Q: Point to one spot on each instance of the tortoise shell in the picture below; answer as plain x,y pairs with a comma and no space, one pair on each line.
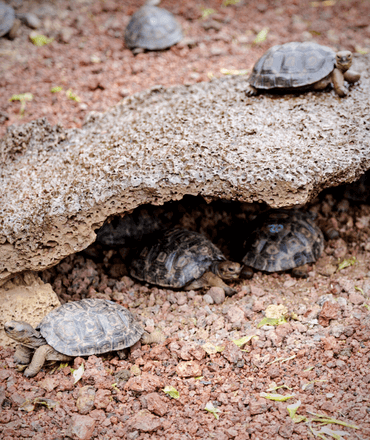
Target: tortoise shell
152,28
176,259
121,231
7,16
292,65
90,326
283,240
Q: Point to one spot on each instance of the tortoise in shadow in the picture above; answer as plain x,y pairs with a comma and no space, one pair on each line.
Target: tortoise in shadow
182,259
282,240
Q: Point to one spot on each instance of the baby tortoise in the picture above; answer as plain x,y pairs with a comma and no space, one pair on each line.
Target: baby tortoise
152,28
301,66
283,240
183,259
131,228
77,328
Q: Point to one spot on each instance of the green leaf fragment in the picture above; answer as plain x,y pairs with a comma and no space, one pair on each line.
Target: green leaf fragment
261,36
274,387
292,409
23,98
327,420
206,12
272,321
63,365
72,96
276,397
230,2
210,408
212,349
346,263
242,341
172,392
56,89
40,40
282,360
309,368
77,374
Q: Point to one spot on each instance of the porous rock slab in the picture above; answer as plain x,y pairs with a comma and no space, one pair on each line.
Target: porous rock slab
25,298
205,139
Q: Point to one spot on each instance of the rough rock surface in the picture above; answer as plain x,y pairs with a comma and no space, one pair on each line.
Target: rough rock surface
208,139
25,298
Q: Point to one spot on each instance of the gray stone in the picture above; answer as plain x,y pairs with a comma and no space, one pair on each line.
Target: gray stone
25,298
207,139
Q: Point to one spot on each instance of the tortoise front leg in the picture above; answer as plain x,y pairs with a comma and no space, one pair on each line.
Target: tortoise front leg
23,355
251,91
338,82
300,271
41,355
209,279
352,76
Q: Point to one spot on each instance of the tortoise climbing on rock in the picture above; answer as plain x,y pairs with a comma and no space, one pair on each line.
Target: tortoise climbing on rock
283,240
183,259
78,328
152,28
299,66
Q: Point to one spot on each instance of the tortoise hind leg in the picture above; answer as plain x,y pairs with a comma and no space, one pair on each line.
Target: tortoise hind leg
322,84
300,271
209,279
251,91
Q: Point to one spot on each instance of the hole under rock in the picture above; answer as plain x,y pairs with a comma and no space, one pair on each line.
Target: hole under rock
102,269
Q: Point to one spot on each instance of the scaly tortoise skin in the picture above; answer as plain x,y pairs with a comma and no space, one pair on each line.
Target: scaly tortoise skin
300,66
283,240
77,328
7,17
183,259
152,28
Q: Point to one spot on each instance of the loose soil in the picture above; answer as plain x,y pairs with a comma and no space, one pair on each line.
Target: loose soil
320,355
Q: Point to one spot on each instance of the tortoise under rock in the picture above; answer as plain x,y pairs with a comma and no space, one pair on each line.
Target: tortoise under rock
183,259
283,240
300,66
131,228
152,28
77,328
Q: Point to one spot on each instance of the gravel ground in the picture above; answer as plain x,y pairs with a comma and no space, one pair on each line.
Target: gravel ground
320,356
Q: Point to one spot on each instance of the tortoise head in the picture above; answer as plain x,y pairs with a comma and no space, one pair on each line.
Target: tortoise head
228,270
24,333
343,60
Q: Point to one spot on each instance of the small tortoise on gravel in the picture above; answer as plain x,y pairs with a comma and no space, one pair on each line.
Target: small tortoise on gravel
283,240
8,23
152,28
183,259
302,66
78,328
